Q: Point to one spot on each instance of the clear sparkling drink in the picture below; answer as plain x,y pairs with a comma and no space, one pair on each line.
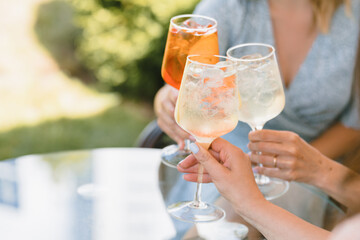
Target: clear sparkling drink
208,102
261,91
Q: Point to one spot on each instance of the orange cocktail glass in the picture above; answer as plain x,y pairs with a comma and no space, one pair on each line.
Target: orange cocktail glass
188,34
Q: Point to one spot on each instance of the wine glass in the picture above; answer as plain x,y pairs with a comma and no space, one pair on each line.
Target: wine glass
207,108
188,34
262,98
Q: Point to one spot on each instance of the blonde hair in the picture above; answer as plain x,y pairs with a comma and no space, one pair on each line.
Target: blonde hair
324,11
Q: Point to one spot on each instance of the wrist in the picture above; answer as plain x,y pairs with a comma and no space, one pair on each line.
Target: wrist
250,211
319,175
249,204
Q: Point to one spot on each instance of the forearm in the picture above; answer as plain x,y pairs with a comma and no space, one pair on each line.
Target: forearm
339,182
337,141
276,223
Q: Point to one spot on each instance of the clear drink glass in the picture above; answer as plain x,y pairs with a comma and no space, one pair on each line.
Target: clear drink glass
188,34
207,108
262,97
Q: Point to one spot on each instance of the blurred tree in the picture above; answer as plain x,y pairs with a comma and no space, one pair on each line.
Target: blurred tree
122,41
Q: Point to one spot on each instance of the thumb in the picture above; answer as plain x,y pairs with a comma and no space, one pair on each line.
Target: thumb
212,166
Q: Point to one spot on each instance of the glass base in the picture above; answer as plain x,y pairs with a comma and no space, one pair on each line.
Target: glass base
271,188
172,155
201,213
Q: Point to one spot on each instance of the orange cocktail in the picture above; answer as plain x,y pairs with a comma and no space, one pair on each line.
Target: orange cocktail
188,34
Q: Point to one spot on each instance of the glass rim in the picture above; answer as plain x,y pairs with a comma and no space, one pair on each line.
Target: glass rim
250,44
193,15
229,60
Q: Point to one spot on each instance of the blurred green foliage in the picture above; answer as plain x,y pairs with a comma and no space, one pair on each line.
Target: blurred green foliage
121,42
116,127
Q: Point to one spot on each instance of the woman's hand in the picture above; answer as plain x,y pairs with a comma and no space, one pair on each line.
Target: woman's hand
228,168
285,155
164,106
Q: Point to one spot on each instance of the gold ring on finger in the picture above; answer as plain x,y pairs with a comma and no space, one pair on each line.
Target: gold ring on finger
275,161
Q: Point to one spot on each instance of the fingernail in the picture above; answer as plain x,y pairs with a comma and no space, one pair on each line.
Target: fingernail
255,170
179,164
194,148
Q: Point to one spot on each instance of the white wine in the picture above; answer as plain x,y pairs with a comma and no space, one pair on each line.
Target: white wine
256,114
261,92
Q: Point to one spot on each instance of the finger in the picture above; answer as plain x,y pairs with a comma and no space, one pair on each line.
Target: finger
226,151
193,177
220,144
169,130
168,122
269,148
172,130
268,135
213,167
272,172
192,169
188,162
189,165
173,95
168,108
269,160
216,155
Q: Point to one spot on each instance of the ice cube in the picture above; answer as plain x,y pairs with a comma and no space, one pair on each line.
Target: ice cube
227,67
266,98
265,65
195,70
241,67
213,77
253,60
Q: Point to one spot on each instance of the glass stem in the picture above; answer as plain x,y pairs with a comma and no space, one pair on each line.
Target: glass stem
197,198
187,144
260,179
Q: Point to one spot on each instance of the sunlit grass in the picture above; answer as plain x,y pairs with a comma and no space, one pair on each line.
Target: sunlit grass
118,126
53,96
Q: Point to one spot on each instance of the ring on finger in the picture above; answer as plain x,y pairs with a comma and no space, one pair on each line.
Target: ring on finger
275,161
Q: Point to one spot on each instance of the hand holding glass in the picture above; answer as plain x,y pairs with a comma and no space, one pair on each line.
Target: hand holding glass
262,98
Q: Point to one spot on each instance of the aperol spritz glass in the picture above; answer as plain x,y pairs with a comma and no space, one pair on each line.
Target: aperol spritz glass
188,34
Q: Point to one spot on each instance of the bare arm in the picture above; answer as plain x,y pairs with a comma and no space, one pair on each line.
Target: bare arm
337,141
276,223
234,179
340,182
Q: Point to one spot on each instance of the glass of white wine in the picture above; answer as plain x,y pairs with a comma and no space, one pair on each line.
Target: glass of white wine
262,98
207,108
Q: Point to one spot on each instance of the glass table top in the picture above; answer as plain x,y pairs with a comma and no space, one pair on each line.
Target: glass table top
110,193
